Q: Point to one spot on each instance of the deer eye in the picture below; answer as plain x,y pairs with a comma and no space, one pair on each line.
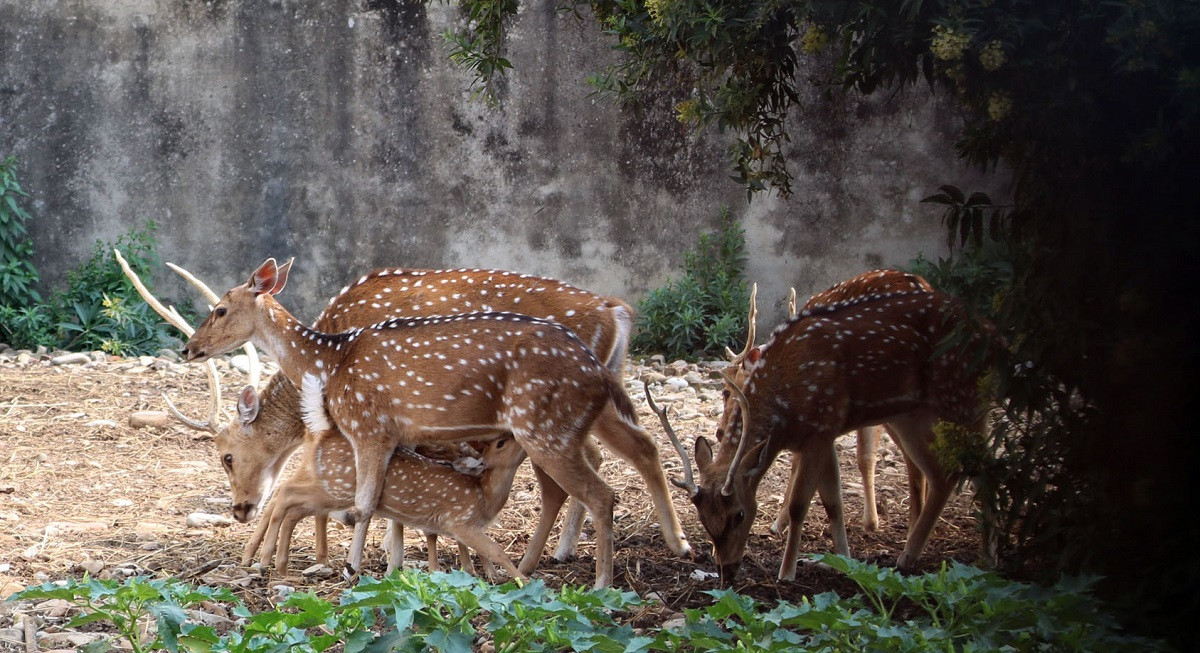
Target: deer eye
227,460
221,310
739,517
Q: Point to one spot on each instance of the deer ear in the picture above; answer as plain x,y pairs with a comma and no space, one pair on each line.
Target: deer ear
753,355
247,406
759,466
264,278
704,453
281,276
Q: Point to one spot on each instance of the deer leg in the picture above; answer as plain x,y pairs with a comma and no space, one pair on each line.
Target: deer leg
915,435
568,539
634,445
916,481
816,463
866,452
394,536
371,458
287,527
780,525
431,552
553,497
260,531
487,549
321,538
564,461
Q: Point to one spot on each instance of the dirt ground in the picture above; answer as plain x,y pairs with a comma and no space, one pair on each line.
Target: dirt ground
80,490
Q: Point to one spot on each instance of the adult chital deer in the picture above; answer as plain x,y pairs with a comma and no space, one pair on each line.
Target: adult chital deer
262,441
828,371
449,379
418,491
256,447
866,452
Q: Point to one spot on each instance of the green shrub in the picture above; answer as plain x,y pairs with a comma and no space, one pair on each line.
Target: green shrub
958,608
101,310
17,274
704,311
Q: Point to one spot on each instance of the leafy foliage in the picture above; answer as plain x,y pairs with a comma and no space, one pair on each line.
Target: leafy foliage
957,608
18,276
1094,107
705,310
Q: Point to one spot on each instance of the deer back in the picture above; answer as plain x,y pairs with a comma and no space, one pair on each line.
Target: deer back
874,282
602,323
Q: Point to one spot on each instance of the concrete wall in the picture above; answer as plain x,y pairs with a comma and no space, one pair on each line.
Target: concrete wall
336,131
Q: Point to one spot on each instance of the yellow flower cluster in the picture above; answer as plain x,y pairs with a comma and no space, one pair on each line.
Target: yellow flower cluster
687,111
656,9
999,106
814,40
948,44
992,57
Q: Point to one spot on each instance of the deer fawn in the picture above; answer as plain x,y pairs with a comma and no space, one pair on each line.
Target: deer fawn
829,370
256,449
418,491
451,378
866,451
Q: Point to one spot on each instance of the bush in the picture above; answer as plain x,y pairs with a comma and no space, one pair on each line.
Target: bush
704,311
17,274
101,310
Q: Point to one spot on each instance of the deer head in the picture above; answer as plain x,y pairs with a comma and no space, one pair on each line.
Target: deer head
231,321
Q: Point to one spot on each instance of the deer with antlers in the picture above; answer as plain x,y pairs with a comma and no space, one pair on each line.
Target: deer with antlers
267,431
256,446
829,370
449,379
867,440
429,494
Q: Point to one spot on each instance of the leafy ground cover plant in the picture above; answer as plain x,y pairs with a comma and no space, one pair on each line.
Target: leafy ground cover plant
958,608
703,311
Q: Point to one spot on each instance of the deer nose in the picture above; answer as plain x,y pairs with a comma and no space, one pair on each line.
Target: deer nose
243,511
190,354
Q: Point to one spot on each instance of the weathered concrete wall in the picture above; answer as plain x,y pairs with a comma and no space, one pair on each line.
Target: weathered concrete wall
336,131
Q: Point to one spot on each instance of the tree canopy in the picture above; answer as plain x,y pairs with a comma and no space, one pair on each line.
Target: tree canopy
1093,105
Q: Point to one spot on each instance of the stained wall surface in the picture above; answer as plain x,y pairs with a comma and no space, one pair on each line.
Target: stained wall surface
337,131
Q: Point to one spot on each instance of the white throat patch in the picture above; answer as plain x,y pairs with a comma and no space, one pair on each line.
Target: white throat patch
312,404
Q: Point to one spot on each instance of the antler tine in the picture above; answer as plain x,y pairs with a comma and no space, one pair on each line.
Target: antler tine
792,303
213,299
744,405
176,320
752,319
688,483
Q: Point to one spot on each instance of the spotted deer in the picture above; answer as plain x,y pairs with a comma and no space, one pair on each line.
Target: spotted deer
451,378
829,370
867,440
418,491
255,450
256,446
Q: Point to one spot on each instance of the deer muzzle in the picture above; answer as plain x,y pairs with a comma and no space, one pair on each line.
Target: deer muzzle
244,512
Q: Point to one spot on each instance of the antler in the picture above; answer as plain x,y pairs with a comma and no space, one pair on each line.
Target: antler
744,406
176,320
752,318
792,303
251,353
688,483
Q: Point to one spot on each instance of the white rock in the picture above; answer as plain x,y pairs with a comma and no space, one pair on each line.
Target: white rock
207,519
700,574
104,423
77,358
241,363
677,383
318,571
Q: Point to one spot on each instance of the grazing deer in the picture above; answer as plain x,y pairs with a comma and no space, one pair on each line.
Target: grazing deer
451,378
255,450
827,371
418,491
866,451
